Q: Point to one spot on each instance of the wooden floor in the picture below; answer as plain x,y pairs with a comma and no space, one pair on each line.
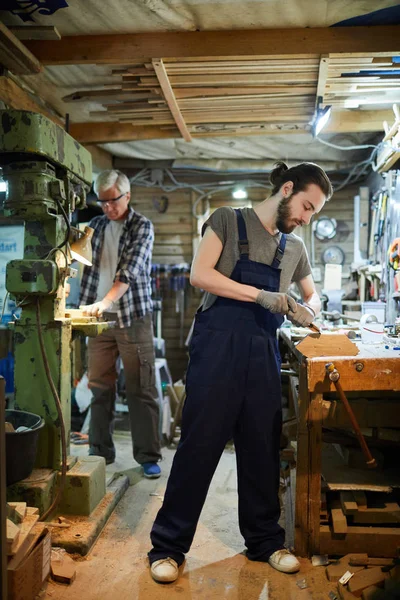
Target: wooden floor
117,567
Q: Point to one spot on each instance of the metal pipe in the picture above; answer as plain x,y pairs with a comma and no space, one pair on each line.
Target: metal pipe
334,376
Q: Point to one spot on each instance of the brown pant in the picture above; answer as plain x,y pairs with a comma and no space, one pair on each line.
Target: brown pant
135,346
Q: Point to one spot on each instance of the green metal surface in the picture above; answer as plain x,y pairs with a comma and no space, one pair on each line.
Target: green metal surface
85,486
36,277
48,175
32,133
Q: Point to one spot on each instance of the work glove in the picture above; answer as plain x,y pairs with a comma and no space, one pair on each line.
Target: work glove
96,309
276,302
302,316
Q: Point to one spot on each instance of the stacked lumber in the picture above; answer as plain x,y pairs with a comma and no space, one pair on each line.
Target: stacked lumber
356,521
350,80
217,94
21,520
362,576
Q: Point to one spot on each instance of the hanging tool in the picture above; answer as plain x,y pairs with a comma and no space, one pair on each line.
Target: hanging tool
334,376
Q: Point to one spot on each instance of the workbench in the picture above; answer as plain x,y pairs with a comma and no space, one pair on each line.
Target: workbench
371,381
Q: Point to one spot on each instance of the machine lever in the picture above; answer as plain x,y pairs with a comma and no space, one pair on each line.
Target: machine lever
334,376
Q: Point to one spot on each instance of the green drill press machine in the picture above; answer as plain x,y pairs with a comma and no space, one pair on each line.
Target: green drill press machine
48,175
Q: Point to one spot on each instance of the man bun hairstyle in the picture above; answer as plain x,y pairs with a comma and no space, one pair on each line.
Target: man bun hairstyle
302,175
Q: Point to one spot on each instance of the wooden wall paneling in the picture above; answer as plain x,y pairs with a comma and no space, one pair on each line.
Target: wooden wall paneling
174,232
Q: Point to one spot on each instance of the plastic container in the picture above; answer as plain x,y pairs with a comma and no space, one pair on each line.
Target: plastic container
21,447
371,331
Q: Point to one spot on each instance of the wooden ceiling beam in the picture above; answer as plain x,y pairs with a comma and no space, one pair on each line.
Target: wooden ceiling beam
140,47
345,121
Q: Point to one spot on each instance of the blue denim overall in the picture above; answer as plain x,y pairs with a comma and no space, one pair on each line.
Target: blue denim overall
233,392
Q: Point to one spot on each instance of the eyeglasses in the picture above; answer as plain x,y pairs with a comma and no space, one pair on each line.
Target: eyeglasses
110,201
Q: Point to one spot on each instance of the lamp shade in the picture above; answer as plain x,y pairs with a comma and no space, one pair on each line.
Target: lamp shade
81,249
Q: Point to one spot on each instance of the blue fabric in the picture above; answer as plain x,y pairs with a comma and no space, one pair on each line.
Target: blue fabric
233,391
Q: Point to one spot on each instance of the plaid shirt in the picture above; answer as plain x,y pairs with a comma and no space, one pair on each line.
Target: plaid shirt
134,266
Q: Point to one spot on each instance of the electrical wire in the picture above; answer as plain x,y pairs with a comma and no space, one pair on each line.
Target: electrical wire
68,224
57,400
360,147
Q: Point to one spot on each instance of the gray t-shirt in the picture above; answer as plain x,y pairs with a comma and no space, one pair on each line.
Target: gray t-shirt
262,247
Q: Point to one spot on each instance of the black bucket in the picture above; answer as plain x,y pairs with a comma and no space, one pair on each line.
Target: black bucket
21,447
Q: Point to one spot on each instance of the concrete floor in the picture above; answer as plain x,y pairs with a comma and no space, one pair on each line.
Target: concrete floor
117,566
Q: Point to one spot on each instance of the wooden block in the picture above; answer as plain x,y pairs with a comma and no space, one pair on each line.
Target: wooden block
373,593
26,546
32,510
382,541
25,529
327,345
13,533
363,560
365,579
361,499
344,593
339,568
62,567
19,507
349,505
389,514
339,522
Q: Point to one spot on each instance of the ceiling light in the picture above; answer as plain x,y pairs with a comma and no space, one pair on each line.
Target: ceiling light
239,194
322,116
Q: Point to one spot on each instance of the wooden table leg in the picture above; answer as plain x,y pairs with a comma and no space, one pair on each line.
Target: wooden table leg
308,477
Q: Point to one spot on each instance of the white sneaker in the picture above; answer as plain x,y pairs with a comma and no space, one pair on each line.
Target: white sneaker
165,570
283,560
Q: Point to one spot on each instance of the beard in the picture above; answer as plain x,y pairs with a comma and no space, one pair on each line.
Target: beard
283,216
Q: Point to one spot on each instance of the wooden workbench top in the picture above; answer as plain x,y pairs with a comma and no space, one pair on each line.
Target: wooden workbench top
373,368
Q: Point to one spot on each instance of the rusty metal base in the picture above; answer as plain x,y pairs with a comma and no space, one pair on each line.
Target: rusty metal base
81,532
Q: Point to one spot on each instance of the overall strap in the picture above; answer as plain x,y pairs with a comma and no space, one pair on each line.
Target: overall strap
279,252
243,241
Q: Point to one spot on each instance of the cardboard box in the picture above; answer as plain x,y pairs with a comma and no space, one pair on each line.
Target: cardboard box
26,580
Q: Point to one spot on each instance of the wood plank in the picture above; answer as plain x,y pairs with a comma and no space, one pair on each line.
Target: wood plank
24,530
389,514
209,91
339,522
113,131
26,546
234,80
322,77
14,56
374,375
35,32
364,579
381,541
138,47
327,345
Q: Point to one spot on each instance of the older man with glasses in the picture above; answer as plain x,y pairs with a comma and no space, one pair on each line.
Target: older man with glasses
119,281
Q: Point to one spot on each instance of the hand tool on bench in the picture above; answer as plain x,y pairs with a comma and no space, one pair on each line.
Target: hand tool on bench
334,376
